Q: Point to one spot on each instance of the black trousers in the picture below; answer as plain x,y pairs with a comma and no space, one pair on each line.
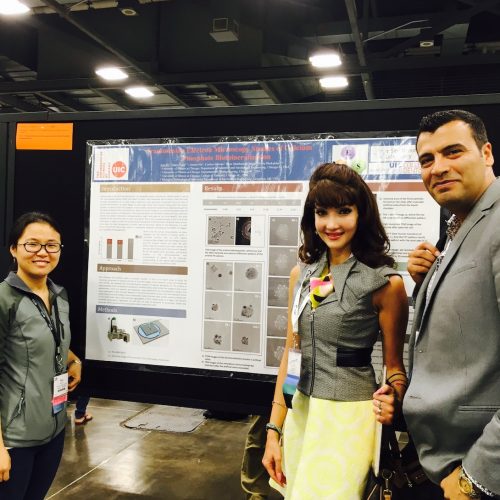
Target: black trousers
32,470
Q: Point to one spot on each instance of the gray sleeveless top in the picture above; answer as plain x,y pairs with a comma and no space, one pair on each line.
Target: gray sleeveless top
345,319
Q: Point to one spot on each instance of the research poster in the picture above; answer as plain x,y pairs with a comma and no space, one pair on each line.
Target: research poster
191,244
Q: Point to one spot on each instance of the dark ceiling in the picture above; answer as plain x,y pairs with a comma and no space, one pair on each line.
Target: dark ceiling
48,57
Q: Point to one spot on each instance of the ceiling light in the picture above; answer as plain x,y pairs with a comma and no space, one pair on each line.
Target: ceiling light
139,92
12,7
325,60
111,73
129,11
333,82
425,44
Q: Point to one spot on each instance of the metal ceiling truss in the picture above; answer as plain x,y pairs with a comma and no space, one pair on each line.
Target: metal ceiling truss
373,46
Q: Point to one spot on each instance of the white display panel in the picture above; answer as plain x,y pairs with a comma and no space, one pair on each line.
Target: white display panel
191,245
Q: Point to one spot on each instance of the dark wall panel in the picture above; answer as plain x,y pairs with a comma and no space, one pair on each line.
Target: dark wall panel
55,182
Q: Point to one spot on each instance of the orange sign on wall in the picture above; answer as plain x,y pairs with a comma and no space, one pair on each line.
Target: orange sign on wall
48,136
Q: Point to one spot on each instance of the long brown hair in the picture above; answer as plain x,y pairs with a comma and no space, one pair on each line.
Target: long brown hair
336,185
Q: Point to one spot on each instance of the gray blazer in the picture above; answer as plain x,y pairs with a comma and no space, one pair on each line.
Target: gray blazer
452,406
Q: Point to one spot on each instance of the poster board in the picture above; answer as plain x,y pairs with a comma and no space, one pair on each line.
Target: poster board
191,244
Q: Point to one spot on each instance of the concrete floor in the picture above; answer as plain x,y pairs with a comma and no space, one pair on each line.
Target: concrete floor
103,460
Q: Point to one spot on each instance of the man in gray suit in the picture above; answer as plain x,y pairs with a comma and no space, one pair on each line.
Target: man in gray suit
452,406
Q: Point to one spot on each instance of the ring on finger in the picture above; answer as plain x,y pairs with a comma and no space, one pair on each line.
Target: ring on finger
379,405
380,411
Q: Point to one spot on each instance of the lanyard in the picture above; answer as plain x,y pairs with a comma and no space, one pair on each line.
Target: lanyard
54,329
298,306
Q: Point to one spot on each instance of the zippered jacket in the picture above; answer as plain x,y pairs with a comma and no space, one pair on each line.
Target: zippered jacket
27,363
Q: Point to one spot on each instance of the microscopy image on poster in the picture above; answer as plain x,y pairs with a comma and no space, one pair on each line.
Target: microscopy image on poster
277,321
247,276
246,338
243,230
217,335
275,349
278,292
219,276
247,307
282,260
229,231
218,305
221,231
284,231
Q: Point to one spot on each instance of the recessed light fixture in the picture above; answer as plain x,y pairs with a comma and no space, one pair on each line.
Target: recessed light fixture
325,60
111,73
12,7
139,92
333,82
128,11
425,44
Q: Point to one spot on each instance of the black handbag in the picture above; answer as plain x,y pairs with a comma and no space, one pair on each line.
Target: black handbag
401,476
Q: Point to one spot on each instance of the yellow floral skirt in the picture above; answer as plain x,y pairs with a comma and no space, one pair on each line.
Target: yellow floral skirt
327,449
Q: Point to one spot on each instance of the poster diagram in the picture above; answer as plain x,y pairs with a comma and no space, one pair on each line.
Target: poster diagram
191,244
151,330
115,333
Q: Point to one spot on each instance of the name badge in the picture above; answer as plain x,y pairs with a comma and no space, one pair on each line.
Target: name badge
294,360
292,375
60,393
298,307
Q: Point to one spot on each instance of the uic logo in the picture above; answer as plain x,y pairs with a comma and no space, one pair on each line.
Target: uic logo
118,169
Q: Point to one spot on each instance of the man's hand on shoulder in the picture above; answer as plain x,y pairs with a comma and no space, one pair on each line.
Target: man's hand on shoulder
420,261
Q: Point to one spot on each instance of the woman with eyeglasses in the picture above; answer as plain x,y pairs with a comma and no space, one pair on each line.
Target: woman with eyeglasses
37,369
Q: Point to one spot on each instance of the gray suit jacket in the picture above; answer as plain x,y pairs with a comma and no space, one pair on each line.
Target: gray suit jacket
452,406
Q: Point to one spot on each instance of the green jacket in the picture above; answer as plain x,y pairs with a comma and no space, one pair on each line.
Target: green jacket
27,364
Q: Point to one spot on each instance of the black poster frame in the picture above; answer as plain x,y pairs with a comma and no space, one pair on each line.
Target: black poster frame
54,181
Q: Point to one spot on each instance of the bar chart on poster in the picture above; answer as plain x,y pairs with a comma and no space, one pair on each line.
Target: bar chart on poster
121,247
191,244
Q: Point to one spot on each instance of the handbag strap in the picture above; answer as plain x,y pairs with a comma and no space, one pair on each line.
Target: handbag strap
409,474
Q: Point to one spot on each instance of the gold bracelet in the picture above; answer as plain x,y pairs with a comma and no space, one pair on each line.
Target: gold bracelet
279,404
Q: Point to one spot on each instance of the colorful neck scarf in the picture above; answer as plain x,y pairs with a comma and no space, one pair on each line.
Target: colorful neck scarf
321,287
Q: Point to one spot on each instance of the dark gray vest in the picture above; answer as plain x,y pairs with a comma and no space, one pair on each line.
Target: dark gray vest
345,320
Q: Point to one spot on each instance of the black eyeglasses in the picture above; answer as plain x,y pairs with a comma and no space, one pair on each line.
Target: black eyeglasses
33,247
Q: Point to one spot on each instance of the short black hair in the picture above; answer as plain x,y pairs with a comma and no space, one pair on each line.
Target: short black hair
430,123
23,221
